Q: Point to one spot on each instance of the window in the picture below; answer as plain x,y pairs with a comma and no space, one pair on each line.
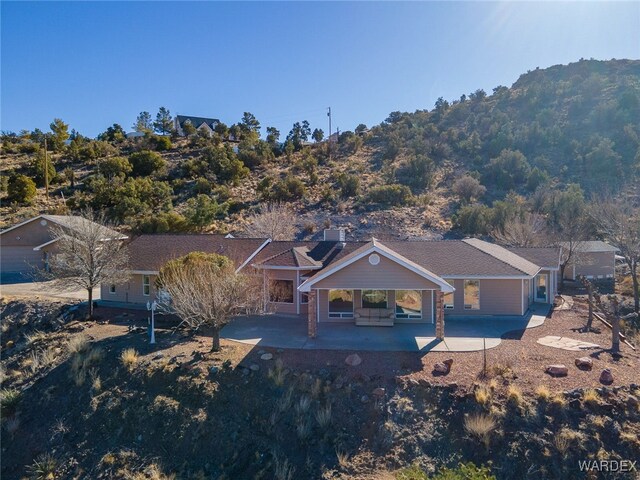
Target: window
304,298
146,285
112,288
340,303
472,295
281,291
374,299
447,298
408,304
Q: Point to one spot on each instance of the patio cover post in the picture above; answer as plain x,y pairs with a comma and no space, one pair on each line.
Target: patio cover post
439,315
312,320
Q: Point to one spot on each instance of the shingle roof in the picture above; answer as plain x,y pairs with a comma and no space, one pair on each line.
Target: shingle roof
303,254
197,121
72,222
504,255
151,252
542,256
591,246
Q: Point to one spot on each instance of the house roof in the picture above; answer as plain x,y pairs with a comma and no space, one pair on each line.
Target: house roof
592,246
151,252
72,222
375,246
546,257
445,258
197,121
302,254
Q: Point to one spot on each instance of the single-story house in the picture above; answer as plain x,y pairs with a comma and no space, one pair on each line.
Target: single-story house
148,253
363,283
592,259
29,244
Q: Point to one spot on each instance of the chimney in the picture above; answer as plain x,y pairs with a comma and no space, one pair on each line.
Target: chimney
334,235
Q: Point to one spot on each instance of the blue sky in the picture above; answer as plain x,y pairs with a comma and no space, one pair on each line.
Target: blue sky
94,63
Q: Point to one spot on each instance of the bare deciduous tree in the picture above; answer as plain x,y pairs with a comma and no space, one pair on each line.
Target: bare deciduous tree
619,222
275,221
89,252
569,232
521,232
204,289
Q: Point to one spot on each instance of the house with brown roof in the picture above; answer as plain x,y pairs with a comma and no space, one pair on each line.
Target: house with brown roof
28,245
593,259
372,283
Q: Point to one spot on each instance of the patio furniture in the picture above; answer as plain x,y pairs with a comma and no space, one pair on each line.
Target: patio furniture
378,317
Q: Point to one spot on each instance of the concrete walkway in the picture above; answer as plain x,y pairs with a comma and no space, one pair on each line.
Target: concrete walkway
461,334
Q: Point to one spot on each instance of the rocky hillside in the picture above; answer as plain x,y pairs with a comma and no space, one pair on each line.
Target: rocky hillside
574,124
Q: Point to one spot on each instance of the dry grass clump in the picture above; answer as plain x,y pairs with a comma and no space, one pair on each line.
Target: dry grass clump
514,395
43,468
323,416
78,344
303,428
129,358
282,469
35,337
558,400
590,397
483,395
303,405
82,362
151,472
9,400
343,458
405,406
543,393
12,424
277,373
284,402
316,388
480,426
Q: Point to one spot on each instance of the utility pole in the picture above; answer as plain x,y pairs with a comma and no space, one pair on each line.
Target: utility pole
329,115
46,171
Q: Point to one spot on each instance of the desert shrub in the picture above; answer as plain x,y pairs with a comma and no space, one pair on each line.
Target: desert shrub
482,395
78,344
162,222
202,185
323,416
414,472
480,426
82,363
543,393
4,183
349,185
114,167
465,471
590,397
146,163
225,164
389,195
129,358
202,210
473,219
287,189
160,144
514,395
468,188
508,170
417,172
21,189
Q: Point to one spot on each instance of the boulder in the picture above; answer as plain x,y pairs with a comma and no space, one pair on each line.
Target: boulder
254,367
448,362
633,401
378,392
353,360
584,363
606,377
441,368
266,356
558,370
364,399
213,370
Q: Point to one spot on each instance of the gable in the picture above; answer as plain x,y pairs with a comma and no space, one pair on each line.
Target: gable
28,234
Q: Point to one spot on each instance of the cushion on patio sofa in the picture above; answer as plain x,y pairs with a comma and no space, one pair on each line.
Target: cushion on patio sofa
373,313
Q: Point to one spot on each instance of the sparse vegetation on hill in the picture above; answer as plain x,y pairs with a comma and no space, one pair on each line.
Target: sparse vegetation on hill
470,164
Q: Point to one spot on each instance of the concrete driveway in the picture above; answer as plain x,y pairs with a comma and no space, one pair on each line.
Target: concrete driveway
43,289
461,335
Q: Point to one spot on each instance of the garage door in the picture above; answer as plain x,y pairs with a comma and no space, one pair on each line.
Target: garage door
19,259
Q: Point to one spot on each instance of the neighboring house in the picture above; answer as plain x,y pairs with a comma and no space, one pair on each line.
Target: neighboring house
148,253
135,134
592,259
365,283
199,123
28,245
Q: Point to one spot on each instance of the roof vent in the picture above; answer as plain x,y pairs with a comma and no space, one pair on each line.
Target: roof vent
334,235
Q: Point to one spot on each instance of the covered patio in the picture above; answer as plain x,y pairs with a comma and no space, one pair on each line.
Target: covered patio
463,334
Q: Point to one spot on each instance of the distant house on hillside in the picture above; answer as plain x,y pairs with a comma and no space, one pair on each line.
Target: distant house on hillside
200,123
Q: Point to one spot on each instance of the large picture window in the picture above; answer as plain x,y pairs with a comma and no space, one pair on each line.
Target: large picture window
408,304
281,291
340,303
374,299
472,294
447,298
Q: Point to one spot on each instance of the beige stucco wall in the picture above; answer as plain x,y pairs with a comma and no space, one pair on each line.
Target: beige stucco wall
16,247
387,274
497,297
129,292
31,234
595,265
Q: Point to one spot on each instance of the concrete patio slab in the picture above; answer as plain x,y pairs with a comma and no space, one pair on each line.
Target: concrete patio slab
566,343
461,334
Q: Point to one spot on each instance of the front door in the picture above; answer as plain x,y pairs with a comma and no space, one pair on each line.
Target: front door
542,288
